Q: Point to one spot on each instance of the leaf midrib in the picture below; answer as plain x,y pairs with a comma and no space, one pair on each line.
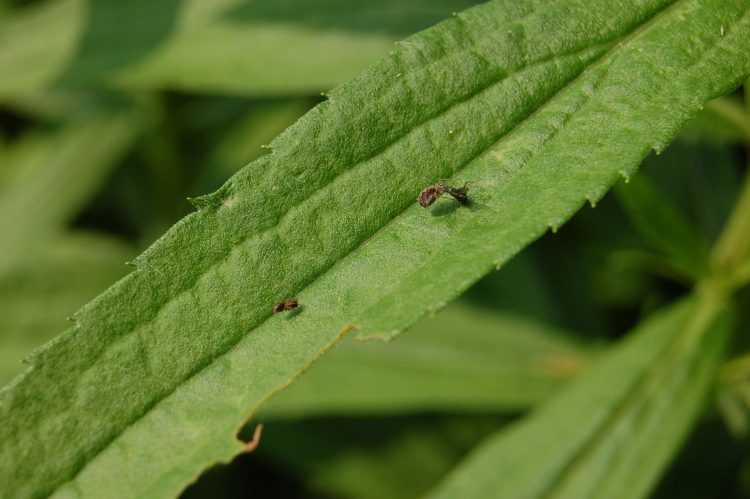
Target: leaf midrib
625,38
392,88
322,192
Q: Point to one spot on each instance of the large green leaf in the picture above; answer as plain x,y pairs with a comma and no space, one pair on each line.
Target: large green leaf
612,432
542,105
69,270
463,359
230,46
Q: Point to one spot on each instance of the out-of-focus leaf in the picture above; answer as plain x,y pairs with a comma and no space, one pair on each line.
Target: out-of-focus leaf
701,179
612,432
733,397
542,105
56,105
464,360
374,458
723,121
664,226
245,141
298,46
37,296
37,44
521,287
731,253
48,176
260,47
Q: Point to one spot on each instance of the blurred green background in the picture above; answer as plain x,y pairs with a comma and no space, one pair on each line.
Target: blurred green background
113,113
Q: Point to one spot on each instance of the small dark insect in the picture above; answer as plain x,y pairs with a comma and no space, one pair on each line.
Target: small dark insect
286,305
431,194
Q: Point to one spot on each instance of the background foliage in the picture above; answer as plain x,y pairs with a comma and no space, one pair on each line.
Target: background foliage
107,127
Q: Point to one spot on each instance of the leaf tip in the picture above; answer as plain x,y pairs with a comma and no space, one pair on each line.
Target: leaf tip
625,176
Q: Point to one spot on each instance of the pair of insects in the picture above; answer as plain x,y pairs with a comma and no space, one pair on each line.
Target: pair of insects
428,196
432,193
285,305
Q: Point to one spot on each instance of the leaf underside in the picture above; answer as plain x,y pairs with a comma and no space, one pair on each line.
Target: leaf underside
541,105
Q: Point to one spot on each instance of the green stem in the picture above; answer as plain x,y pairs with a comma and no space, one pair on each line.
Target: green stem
734,113
733,246
731,253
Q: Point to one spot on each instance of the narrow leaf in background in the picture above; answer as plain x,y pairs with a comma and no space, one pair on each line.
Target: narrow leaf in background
462,360
723,122
245,141
375,458
611,433
733,397
665,227
49,176
39,294
263,47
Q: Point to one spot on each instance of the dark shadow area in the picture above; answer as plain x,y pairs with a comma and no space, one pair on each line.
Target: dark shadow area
117,34
709,465
297,458
389,16
123,204
294,313
12,123
444,207
248,475
18,4
146,192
